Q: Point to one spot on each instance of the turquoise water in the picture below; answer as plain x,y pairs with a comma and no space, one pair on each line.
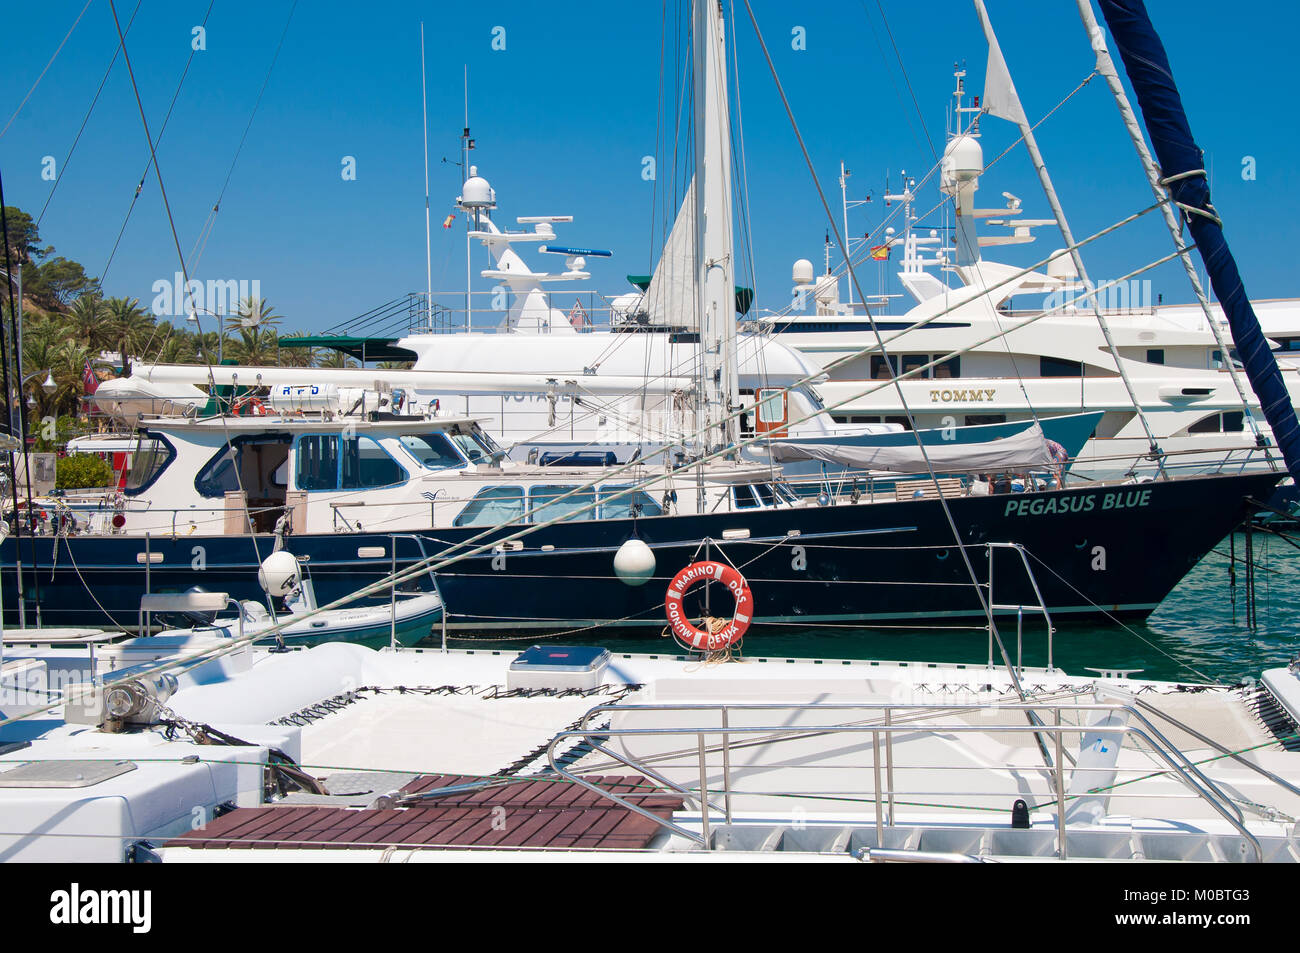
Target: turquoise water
1195,635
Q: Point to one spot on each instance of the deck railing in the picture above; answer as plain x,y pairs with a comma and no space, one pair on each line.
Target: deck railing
719,737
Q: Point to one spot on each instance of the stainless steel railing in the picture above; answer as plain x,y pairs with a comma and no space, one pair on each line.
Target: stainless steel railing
886,721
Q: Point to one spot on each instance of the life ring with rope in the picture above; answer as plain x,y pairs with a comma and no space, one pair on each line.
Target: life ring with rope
249,407
720,633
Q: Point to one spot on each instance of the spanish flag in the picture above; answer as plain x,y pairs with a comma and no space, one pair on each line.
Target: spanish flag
880,252
447,222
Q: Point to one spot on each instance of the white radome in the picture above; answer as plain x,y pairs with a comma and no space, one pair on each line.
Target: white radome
963,158
476,192
802,272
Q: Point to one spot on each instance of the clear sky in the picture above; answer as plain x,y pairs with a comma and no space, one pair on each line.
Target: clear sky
563,117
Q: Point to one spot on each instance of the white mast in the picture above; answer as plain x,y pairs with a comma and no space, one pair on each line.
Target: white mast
715,265
428,239
844,210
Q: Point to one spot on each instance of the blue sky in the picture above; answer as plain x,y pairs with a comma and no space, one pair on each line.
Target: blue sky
563,116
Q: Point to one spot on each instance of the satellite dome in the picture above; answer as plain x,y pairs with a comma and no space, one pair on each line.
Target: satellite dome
802,272
1062,266
476,192
963,158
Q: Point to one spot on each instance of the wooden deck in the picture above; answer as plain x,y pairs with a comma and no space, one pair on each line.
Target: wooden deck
529,813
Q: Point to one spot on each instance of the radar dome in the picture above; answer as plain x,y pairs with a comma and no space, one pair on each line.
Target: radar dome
802,272
476,192
963,158
1062,266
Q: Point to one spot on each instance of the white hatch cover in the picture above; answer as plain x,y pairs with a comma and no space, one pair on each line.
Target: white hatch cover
64,774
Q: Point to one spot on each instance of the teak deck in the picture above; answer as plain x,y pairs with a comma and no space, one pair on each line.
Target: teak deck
528,813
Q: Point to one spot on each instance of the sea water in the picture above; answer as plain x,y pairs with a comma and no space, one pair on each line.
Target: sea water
1199,633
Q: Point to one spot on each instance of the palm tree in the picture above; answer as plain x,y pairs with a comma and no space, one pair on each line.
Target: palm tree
46,346
336,359
299,356
88,321
257,337
130,326
255,311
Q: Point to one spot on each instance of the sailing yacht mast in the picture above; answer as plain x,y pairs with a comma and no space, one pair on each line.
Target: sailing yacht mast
714,260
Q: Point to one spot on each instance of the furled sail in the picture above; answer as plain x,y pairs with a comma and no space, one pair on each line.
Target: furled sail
1029,448
1182,162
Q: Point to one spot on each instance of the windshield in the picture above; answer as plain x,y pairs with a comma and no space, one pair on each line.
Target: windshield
477,447
433,450
146,464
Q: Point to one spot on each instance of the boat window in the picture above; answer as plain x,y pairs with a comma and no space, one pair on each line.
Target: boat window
317,465
785,493
880,368
433,450
636,503
220,476
147,464
543,509
980,420
487,443
765,494
912,361
1155,355
1055,367
949,368
743,497
492,505
367,465
1230,421
476,445
254,464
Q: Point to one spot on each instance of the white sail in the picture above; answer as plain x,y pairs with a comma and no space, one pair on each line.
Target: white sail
670,299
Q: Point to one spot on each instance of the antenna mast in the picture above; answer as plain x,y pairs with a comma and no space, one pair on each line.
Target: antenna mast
428,239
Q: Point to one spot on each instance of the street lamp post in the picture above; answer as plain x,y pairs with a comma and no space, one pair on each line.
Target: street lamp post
221,331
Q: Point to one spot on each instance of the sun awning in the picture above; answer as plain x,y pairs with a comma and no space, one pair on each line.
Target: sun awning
363,349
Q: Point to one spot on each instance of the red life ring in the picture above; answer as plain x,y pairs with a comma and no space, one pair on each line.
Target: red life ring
729,634
249,407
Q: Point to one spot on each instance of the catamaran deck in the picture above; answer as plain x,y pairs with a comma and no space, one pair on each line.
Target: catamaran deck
792,757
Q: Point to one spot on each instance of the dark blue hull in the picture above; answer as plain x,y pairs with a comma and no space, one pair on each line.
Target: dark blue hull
1097,553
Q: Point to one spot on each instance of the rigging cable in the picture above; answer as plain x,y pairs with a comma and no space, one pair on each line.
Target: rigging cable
206,231
77,138
44,71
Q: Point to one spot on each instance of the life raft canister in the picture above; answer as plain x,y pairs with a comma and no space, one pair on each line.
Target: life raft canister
729,634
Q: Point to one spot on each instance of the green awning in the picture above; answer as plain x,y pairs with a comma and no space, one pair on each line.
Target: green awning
363,349
744,296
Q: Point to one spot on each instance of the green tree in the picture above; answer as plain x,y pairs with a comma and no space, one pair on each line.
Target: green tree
55,283
22,237
79,471
299,356
336,359
88,322
130,326
257,342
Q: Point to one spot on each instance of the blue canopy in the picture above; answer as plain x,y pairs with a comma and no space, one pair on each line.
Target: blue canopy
1148,70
